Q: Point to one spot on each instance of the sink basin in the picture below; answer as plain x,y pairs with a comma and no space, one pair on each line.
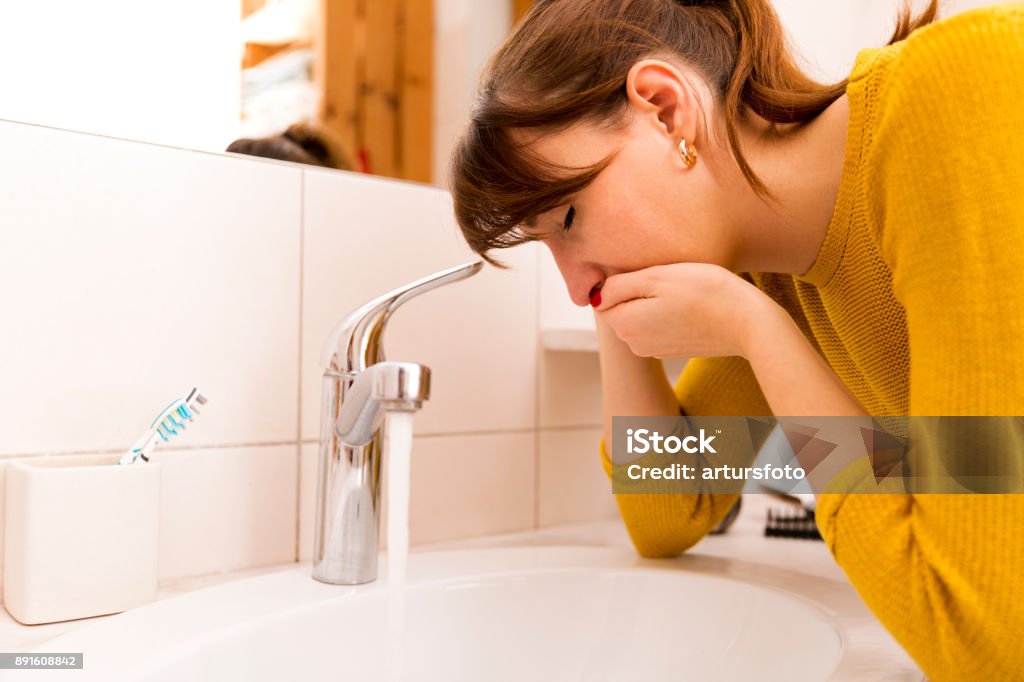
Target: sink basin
527,613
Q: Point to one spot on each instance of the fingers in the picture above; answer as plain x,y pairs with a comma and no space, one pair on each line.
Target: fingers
620,288
633,322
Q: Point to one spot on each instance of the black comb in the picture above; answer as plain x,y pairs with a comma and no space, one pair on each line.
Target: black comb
796,524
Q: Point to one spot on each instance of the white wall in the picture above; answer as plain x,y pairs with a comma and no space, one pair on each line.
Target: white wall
466,32
165,72
828,35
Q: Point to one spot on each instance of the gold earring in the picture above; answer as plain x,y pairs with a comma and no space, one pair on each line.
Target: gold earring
688,154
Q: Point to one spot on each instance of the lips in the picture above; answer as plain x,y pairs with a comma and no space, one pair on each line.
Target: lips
595,296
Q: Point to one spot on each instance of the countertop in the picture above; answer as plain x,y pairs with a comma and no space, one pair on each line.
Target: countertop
744,548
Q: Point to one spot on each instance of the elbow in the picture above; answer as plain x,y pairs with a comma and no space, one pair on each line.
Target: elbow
667,546
662,526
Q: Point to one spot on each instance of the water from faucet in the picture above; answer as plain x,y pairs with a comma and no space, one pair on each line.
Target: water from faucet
397,449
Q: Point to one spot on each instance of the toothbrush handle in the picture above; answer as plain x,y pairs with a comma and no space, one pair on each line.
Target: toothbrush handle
143,445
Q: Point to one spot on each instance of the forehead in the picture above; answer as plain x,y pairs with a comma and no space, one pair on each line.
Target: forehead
579,146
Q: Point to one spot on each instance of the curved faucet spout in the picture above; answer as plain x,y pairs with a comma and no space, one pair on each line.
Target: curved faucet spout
355,343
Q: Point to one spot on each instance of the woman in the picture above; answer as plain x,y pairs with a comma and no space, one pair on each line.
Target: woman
851,250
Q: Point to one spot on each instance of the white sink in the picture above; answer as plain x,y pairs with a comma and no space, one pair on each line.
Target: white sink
564,614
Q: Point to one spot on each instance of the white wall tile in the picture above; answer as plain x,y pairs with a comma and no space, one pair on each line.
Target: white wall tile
557,311
461,486
572,485
133,272
570,388
469,485
366,236
227,509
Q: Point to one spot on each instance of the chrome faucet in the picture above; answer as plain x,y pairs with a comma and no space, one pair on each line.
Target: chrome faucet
359,386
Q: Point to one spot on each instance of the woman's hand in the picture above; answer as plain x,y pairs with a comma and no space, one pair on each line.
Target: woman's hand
686,310
683,310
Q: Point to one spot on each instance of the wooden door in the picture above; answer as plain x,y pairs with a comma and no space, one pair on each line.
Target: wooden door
375,73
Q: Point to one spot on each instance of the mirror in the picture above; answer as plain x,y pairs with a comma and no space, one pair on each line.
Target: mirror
378,86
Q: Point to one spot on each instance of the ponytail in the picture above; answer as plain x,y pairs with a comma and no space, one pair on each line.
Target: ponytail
767,81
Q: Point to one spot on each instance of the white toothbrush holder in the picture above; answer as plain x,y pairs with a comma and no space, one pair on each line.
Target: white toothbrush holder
82,537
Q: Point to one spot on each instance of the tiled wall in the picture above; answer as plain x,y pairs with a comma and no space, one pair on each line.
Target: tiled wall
131,272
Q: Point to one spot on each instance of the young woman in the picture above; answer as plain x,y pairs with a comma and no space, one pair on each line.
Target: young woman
853,249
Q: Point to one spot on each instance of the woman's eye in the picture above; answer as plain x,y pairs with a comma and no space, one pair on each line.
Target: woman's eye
570,215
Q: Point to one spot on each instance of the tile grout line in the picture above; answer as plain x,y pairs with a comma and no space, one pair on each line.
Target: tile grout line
298,395
243,158
537,374
165,449
279,443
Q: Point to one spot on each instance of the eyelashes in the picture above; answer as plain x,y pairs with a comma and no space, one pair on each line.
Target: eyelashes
570,216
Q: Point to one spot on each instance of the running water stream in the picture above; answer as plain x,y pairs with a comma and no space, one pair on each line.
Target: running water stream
397,452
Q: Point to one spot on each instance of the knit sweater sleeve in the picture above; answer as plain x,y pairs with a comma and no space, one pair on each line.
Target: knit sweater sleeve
666,524
942,571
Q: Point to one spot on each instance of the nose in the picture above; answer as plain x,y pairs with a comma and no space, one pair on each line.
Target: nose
579,276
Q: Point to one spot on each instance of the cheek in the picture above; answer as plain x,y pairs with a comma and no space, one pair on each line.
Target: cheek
621,244
630,230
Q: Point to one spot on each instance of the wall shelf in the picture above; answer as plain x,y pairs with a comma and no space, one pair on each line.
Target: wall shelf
569,340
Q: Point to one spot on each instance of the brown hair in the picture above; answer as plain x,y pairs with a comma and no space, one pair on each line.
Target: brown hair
302,143
567,62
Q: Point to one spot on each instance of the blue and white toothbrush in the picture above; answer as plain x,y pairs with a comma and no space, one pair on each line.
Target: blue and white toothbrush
166,425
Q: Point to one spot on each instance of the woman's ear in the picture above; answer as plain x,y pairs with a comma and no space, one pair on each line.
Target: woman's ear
658,90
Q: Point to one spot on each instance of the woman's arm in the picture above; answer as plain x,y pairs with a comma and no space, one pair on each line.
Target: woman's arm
794,378
631,385
798,383
665,524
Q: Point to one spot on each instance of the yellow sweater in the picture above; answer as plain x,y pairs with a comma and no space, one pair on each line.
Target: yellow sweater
916,300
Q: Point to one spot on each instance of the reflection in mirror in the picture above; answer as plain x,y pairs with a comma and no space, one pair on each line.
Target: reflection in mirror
307,143
375,69
390,83
380,86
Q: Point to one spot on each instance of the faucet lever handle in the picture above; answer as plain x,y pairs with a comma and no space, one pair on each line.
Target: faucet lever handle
355,343
385,386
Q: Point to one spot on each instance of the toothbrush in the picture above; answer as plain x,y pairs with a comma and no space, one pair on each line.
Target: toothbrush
164,427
